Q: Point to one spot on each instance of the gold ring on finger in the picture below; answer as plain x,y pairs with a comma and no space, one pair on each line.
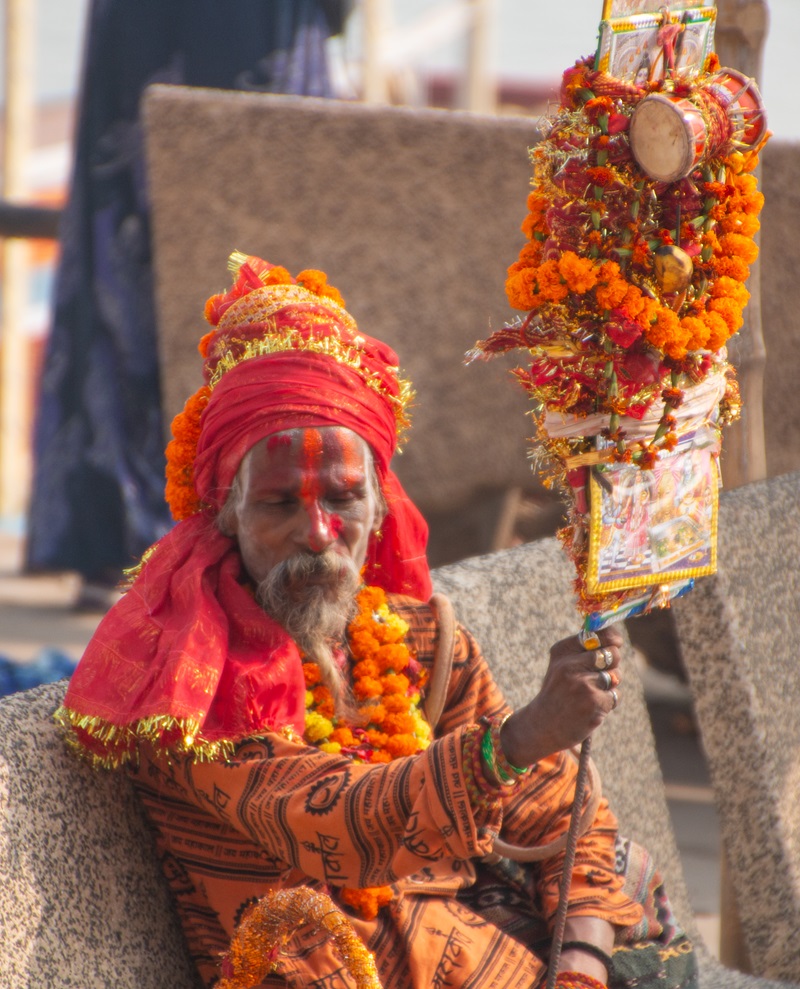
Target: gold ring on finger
588,639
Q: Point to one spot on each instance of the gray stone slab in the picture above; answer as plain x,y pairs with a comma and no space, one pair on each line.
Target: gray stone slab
780,303
520,601
737,632
82,900
414,215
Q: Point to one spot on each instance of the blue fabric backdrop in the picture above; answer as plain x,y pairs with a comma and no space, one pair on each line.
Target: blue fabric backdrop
98,500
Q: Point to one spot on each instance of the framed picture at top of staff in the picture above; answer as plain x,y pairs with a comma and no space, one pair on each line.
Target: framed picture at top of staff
655,526
624,8
631,46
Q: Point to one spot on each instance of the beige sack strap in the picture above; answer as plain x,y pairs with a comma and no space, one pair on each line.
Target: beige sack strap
538,853
443,660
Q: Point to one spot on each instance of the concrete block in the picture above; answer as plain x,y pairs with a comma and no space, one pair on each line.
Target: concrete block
737,632
82,899
414,215
518,603
780,304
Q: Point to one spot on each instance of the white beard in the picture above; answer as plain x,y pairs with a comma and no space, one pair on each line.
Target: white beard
312,595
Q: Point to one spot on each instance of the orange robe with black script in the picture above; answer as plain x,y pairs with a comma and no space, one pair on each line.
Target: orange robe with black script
281,814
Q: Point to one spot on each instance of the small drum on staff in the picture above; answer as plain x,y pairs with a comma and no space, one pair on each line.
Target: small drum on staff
668,136
741,98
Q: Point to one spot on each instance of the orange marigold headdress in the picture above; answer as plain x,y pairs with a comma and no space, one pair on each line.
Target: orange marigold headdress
267,312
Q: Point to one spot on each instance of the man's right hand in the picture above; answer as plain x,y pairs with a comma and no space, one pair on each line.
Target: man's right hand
574,699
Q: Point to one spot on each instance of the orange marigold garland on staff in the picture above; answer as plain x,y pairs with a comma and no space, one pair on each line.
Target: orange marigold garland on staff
607,325
631,285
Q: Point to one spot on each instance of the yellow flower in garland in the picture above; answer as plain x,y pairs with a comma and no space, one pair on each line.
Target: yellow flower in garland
318,727
386,683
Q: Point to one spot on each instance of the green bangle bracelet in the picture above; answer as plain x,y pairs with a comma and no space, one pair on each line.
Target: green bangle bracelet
490,759
500,758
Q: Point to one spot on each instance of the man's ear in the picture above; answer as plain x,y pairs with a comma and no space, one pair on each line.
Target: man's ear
228,519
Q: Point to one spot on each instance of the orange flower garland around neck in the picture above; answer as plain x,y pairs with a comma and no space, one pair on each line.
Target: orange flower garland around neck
387,681
386,684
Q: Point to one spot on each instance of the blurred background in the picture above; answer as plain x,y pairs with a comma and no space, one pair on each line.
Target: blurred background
493,56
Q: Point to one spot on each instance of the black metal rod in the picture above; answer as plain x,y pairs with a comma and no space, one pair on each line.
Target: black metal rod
29,222
569,862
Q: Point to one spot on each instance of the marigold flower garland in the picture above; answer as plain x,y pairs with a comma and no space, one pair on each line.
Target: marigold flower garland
387,680
605,335
631,286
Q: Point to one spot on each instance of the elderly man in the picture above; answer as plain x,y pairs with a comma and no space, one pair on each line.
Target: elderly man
297,712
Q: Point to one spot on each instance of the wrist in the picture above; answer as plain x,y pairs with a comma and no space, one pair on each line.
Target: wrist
586,957
587,947
514,738
500,766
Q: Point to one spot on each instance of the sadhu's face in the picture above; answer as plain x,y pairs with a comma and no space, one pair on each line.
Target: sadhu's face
305,490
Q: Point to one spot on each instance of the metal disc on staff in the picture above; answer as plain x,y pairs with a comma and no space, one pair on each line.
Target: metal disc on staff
668,136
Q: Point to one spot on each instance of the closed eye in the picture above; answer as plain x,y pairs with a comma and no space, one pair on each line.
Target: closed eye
277,502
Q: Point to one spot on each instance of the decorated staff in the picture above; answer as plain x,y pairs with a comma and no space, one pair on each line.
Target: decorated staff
639,241
631,286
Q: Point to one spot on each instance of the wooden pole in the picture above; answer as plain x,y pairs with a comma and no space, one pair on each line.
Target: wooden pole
375,88
15,372
740,34
480,87
37,222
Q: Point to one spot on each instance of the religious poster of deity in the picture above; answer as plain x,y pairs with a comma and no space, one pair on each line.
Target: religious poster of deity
641,47
654,526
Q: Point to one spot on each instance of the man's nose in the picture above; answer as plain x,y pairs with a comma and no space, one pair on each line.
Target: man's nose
321,531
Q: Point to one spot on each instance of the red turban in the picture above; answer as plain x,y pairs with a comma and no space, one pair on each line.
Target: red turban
181,658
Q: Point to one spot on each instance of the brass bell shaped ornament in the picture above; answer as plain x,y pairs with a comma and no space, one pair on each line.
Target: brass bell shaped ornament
673,269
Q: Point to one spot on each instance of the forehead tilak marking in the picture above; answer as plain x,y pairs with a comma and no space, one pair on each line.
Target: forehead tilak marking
277,440
349,448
